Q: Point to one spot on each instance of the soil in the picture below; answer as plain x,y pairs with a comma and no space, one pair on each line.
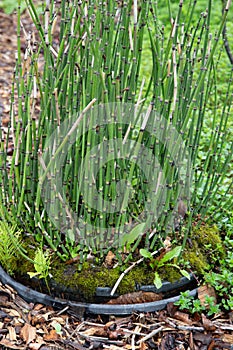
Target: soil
39,327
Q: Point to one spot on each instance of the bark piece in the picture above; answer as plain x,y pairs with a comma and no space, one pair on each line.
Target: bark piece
136,298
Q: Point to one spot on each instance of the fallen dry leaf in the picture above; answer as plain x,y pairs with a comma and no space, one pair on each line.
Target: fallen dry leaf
13,313
28,333
204,291
96,331
205,339
52,336
110,259
38,307
35,346
182,316
208,325
58,320
12,334
228,338
114,335
5,342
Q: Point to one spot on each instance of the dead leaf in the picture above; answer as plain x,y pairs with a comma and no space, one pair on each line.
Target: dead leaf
8,344
205,339
52,336
182,316
5,121
110,324
35,346
28,333
204,291
12,334
228,338
38,307
136,298
191,344
143,346
110,259
96,331
114,335
13,313
58,320
209,326
3,299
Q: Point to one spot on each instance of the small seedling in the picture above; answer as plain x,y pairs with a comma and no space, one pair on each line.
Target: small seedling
42,265
155,264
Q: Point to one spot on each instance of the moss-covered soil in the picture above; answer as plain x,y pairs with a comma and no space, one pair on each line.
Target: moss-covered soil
204,248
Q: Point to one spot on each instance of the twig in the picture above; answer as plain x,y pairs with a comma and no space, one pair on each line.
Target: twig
129,269
137,329
100,339
93,324
63,310
77,329
223,326
191,328
135,332
185,328
150,335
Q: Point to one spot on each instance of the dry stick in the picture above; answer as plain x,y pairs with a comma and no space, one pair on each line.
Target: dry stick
185,328
100,339
63,310
98,325
150,335
191,328
129,269
137,329
223,326
135,332
77,329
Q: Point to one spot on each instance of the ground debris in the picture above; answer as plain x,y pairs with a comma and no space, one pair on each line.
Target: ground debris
39,327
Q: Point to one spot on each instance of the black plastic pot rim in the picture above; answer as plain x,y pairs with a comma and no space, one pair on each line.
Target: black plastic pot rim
79,309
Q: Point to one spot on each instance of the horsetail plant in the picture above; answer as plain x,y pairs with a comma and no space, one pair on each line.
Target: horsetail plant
102,153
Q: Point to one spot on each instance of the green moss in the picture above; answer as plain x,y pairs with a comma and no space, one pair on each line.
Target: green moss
88,279
205,248
197,261
169,273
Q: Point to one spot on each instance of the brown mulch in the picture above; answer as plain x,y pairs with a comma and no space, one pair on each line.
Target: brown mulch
39,327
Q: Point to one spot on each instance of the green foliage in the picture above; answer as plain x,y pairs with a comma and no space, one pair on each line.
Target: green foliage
57,327
222,280
42,261
188,303
156,264
133,235
9,6
10,241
